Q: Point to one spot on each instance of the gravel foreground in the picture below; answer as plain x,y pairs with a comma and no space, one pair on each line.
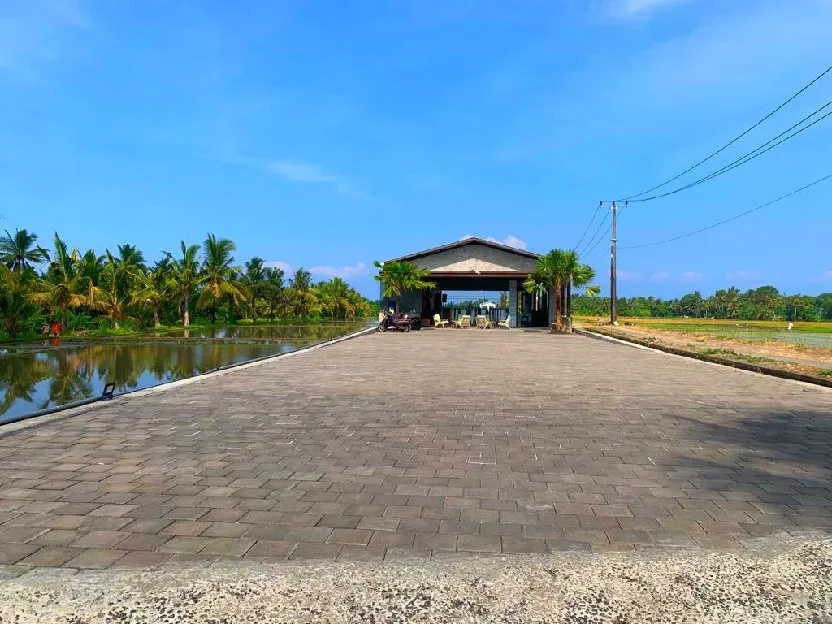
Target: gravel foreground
776,582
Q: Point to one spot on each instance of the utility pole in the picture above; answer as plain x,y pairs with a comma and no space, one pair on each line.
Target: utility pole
613,269
613,262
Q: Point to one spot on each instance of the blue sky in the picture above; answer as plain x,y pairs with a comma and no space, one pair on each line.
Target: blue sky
331,134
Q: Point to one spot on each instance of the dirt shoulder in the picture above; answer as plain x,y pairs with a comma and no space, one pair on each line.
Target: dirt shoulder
811,362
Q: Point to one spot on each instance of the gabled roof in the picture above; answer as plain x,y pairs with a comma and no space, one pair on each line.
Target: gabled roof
472,240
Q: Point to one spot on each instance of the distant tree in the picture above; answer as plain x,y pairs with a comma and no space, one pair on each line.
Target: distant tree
59,288
186,277
90,268
218,275
273,290
253,279
20,251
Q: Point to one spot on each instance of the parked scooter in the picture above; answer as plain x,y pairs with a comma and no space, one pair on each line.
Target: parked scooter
401,322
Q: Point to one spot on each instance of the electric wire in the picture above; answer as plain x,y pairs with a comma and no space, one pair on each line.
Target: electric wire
735,139
748,157
589,225
595,235
733,218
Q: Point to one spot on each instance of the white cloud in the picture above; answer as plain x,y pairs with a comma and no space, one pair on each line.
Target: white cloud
691,276
297,171
37,33
358,268
632,8
823,277
660,276
627,276
508,241
279,264
313,174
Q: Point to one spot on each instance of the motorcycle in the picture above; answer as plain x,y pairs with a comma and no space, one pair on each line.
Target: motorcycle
402,322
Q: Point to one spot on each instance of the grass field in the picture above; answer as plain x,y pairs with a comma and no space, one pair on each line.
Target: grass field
802,335
712,325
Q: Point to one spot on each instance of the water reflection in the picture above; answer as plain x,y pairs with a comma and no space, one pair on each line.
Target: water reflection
40,375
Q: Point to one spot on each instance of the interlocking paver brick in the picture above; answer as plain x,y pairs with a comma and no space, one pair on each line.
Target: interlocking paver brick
312,550
392,539
223,515
190,528
100,539
185,513
501,528
361,553
231,546
141,559
143,541
184,544
429,464
350,536
12,553
271,549
95,559
339,522
479,543
523,545
50,556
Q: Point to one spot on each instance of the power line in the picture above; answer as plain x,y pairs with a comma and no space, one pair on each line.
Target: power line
734,218
603,237
734,140
748,157
595,234
589,225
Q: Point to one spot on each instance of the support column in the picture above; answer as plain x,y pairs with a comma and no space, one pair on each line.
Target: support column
550,295
512,303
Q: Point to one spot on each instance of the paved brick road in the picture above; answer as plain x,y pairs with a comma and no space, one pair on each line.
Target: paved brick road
430,442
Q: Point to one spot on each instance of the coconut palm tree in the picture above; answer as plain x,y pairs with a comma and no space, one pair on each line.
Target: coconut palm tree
151,289
335,297
16,301
397,277
90,267
559,270
218,275
273,290
254,280
21,250
59,289
301,292
185,278
112,297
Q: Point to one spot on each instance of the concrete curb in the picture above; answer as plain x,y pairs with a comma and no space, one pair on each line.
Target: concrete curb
711,359
79,407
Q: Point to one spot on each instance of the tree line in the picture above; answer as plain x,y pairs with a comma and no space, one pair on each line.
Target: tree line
765,303
195,283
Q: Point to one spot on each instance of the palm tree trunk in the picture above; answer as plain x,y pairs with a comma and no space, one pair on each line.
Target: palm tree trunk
214,314
569,305
63,319
156,322
558,318
398,304
186,315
